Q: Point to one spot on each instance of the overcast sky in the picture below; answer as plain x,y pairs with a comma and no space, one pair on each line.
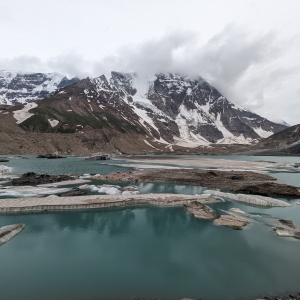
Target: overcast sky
249,50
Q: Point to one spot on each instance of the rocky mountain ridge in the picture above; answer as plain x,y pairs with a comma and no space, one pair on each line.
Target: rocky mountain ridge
18,88
162,109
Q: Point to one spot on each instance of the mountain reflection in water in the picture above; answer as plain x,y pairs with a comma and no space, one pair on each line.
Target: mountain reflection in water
143,251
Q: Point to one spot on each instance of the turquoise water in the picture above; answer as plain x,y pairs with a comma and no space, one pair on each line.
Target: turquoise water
145,251
70,165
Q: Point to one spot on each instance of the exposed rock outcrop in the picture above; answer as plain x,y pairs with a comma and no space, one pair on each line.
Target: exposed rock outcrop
232,222
32,178
50,156
98,157
9,231
288,223
71,193
269,189
286,232
200,210
235,181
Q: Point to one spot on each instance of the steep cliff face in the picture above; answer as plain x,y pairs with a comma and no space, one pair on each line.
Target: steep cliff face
16,88
164,108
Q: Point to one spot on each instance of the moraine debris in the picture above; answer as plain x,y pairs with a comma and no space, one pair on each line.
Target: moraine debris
232,222
32,178
9,231
200,210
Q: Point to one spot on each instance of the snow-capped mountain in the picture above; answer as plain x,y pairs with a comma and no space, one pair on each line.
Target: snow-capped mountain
18,88
166,108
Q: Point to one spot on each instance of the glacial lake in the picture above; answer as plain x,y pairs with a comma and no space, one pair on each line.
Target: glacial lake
146,252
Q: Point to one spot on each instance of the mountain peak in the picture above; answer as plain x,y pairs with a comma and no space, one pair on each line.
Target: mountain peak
171,108
16,87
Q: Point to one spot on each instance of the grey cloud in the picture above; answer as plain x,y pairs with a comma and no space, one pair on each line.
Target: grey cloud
23,64
71,64
253,70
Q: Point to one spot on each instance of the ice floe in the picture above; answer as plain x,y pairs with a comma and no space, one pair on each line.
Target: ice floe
250,199
30,191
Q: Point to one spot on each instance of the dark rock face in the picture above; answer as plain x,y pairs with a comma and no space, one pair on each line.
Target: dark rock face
288,223
98,157
50,156
73,193
167,107
269,189
32,178
18,88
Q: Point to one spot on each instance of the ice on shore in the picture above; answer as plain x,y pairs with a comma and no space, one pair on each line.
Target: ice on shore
130,192
4,170
110,189
30,191
250,199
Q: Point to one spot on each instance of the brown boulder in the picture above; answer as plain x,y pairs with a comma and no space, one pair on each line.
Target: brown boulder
232,222
200,210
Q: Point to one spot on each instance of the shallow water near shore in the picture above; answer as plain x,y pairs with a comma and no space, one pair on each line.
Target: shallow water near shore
145,251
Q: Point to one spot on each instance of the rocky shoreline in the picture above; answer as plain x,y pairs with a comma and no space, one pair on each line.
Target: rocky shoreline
234,181
98,201
32,178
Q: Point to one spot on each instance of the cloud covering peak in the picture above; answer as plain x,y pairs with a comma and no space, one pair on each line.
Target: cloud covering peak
254,70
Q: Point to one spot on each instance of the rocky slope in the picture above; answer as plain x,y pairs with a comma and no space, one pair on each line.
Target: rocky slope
285,142
164,110
18,88
284,138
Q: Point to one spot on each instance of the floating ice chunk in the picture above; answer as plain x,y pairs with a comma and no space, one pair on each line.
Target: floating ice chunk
130,192
109,190
130,188
250,199
109,186
15,194
4,170
96,176
85,176
29,191
113,191
85,187
94,189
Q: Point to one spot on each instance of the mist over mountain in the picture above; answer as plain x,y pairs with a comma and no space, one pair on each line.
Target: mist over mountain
168,108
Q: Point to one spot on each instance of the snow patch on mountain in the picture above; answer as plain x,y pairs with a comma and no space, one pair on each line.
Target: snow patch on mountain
20,88
24,114
168,108
53,122
262,133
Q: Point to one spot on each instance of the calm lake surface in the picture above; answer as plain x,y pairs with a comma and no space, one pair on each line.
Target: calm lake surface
145,251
